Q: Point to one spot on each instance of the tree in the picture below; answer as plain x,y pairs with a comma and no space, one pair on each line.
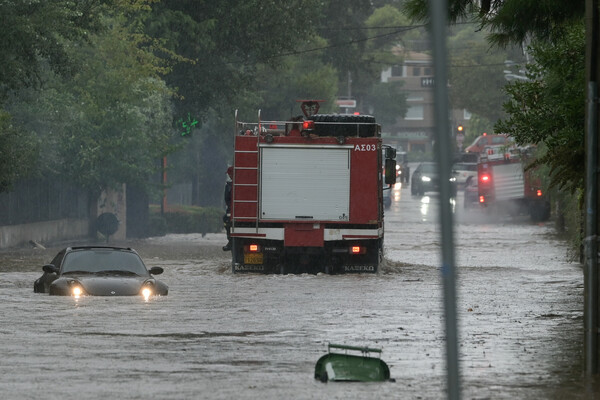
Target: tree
388,102
18,152
39,33
549,108
222,43
476,73
110,122
509,21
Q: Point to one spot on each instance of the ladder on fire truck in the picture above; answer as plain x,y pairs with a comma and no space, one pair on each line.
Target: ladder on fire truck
239,153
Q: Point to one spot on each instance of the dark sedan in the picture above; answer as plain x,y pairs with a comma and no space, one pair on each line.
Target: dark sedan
426,179
99,271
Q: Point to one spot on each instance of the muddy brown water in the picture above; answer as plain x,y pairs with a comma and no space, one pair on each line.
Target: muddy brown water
223,336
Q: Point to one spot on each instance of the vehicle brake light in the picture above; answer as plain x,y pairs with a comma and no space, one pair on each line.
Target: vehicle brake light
481,199
539,193
485,178
308,125
252,248
272,126
358,250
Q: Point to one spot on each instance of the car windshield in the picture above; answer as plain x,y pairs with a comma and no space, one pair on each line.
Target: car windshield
99,260
428,168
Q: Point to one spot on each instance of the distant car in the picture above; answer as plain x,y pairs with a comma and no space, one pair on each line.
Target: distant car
426,179
99,271
471,198
462,171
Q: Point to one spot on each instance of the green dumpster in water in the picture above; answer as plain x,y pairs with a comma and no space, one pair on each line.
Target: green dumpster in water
342,366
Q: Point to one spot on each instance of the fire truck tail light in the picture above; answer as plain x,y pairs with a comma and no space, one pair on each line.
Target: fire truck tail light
308,125
481,199
539,193
358,250
252,248
485,178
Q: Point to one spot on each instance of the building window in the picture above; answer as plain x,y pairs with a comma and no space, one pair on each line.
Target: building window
397,70
427,71
415,112
416,71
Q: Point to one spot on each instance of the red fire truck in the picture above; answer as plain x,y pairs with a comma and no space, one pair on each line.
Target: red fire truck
307,194
504,183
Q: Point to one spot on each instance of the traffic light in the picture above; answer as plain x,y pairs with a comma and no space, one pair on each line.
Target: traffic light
460,129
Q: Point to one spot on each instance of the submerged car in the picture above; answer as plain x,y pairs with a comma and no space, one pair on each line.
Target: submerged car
99,271
426,179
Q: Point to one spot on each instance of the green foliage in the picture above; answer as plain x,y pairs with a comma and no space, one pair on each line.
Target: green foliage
297,77
550,108
188,219
224,42
476,74
110,122
18,152
476,127
38,33
509,21
388,102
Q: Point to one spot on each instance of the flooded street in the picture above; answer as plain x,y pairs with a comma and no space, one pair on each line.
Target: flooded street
223,336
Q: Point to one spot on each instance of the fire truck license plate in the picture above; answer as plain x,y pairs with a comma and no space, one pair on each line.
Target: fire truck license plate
253,258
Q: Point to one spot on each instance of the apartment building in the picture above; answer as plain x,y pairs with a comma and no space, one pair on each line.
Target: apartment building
415,132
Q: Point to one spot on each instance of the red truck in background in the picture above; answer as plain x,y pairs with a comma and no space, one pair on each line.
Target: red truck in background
307,194
504,183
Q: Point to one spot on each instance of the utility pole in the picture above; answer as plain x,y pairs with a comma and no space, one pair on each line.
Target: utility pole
591,283
439,22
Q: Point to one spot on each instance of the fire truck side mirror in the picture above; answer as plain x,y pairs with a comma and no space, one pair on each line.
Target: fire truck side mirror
390,171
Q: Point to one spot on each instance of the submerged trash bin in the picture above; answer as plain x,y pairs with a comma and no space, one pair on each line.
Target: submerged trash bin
341,366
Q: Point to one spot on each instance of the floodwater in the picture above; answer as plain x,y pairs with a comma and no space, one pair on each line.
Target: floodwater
223,336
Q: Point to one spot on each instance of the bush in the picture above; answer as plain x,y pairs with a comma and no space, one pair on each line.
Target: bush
157,225
186,219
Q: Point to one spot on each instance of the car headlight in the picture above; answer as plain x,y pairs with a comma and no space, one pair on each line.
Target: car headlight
425,179
75,289
453,179
146,292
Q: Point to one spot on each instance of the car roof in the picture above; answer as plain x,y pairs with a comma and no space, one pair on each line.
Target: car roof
95,247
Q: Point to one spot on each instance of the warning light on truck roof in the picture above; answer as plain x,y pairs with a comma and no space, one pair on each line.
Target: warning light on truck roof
308,125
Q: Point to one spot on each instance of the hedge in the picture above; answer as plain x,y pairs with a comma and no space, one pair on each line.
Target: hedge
185,219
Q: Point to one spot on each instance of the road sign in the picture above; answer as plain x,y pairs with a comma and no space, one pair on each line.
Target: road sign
346,103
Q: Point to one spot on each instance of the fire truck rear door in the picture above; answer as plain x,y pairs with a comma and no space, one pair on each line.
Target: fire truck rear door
305,183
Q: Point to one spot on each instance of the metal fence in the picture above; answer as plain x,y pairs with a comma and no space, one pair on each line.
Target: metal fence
42,200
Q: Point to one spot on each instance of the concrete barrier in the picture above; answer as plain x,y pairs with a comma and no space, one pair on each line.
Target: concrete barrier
43,232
